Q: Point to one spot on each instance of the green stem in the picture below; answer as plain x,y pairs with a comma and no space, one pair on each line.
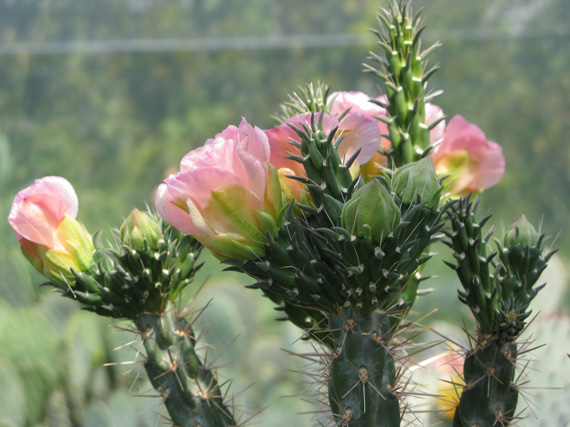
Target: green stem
489,396
190,391
363,373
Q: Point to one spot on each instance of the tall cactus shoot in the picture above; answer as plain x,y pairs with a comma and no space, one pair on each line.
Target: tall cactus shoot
402,67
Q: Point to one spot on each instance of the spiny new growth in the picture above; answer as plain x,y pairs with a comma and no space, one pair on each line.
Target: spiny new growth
498,290
403,71
313,98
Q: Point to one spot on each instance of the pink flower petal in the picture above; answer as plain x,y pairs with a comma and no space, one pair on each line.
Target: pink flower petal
360,132
38,210
358,102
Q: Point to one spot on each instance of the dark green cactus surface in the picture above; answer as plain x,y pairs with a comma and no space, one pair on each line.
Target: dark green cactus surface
126,282
191,393
363,375
489,397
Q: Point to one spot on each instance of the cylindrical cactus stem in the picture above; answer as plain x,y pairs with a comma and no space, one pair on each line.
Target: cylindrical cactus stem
403,69
363,373
489,396
190,390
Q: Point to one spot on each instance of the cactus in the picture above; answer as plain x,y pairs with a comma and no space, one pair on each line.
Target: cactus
498,294
139,281
340,259
126,282
12,404
362,386
313,98
403,70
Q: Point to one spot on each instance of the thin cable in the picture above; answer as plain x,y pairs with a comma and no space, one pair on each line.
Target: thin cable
269,42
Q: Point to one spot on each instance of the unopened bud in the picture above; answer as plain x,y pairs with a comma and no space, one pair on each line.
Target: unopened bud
371,213
417,182
521,233
140,231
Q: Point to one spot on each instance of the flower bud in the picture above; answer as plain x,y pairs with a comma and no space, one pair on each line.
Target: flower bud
370,213
140,231
43,218
521,233
418,181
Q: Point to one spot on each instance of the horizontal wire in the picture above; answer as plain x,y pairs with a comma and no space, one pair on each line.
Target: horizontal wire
265,42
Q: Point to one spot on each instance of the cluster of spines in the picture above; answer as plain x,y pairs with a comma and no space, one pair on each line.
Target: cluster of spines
190,391
324,268
314,268
403,71
312,98
124,282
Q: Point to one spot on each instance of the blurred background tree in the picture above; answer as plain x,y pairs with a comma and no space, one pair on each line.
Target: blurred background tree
111,95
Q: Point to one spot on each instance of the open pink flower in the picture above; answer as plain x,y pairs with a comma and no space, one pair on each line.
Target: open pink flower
359,132
473,163
226,194
43,218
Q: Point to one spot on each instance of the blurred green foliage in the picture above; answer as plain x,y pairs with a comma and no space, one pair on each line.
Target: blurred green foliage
116,122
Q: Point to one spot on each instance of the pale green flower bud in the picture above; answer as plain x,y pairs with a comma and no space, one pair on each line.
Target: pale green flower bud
418,181
371,213
521,233
140,231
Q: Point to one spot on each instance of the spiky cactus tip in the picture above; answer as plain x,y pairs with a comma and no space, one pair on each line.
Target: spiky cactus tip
403,69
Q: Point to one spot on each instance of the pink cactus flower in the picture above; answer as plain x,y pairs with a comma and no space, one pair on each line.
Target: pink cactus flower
433,114
358,102
43,218
226,194
359,132
473,163
361,103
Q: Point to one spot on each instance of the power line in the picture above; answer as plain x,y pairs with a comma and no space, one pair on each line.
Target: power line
269,42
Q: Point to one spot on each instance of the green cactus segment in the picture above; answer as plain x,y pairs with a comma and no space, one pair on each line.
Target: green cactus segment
489,397
522,261
328,180
190,391
498,290
322,269
474,266
126,282
363,373
402,68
